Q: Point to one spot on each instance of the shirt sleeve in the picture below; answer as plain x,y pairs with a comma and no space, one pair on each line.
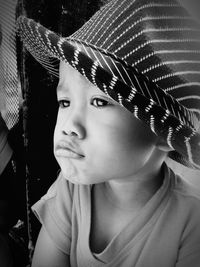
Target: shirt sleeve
54,211
189,252
191,259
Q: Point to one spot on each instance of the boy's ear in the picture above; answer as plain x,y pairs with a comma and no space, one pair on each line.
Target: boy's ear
163,146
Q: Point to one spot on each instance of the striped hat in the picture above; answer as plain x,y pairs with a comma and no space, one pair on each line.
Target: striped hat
145,54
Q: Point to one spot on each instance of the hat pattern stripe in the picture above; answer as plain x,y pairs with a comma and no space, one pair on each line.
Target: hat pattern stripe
85,50
146,6
156,41
121,75
182,85
108,17
91,52
162,52
111,66
141,33
165,63
104,62
175,74
101,21
139,21
89,26
118,72
51,64
188,97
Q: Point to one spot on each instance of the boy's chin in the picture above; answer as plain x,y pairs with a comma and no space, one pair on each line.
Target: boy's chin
77,178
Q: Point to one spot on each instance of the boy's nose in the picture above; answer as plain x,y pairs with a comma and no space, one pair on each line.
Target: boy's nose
74,126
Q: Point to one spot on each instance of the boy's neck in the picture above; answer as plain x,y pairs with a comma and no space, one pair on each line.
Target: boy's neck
135,192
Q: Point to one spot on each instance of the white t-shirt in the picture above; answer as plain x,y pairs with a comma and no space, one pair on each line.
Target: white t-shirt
166,233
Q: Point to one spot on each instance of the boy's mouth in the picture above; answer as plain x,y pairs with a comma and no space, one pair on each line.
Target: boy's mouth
68,150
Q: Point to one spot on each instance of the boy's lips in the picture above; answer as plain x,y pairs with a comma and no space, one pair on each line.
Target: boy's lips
68,150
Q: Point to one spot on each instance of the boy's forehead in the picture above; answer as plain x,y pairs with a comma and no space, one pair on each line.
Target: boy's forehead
70,79
65,70
68,73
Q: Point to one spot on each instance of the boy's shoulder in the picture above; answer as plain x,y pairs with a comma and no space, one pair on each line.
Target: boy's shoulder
185,206
187,195
183,187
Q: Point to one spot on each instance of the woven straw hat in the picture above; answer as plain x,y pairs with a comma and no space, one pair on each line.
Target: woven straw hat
145,55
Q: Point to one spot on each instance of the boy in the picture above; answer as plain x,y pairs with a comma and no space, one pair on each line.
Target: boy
115,202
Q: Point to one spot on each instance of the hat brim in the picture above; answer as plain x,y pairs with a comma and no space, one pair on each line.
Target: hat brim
165,116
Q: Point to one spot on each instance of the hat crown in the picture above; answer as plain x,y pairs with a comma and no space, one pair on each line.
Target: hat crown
158,37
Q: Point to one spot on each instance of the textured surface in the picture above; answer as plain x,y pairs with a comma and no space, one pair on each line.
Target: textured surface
10,88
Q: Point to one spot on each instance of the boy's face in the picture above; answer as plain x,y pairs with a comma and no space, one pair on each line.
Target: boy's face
107,141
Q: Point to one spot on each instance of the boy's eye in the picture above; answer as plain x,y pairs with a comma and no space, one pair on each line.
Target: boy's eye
63,103
98,102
